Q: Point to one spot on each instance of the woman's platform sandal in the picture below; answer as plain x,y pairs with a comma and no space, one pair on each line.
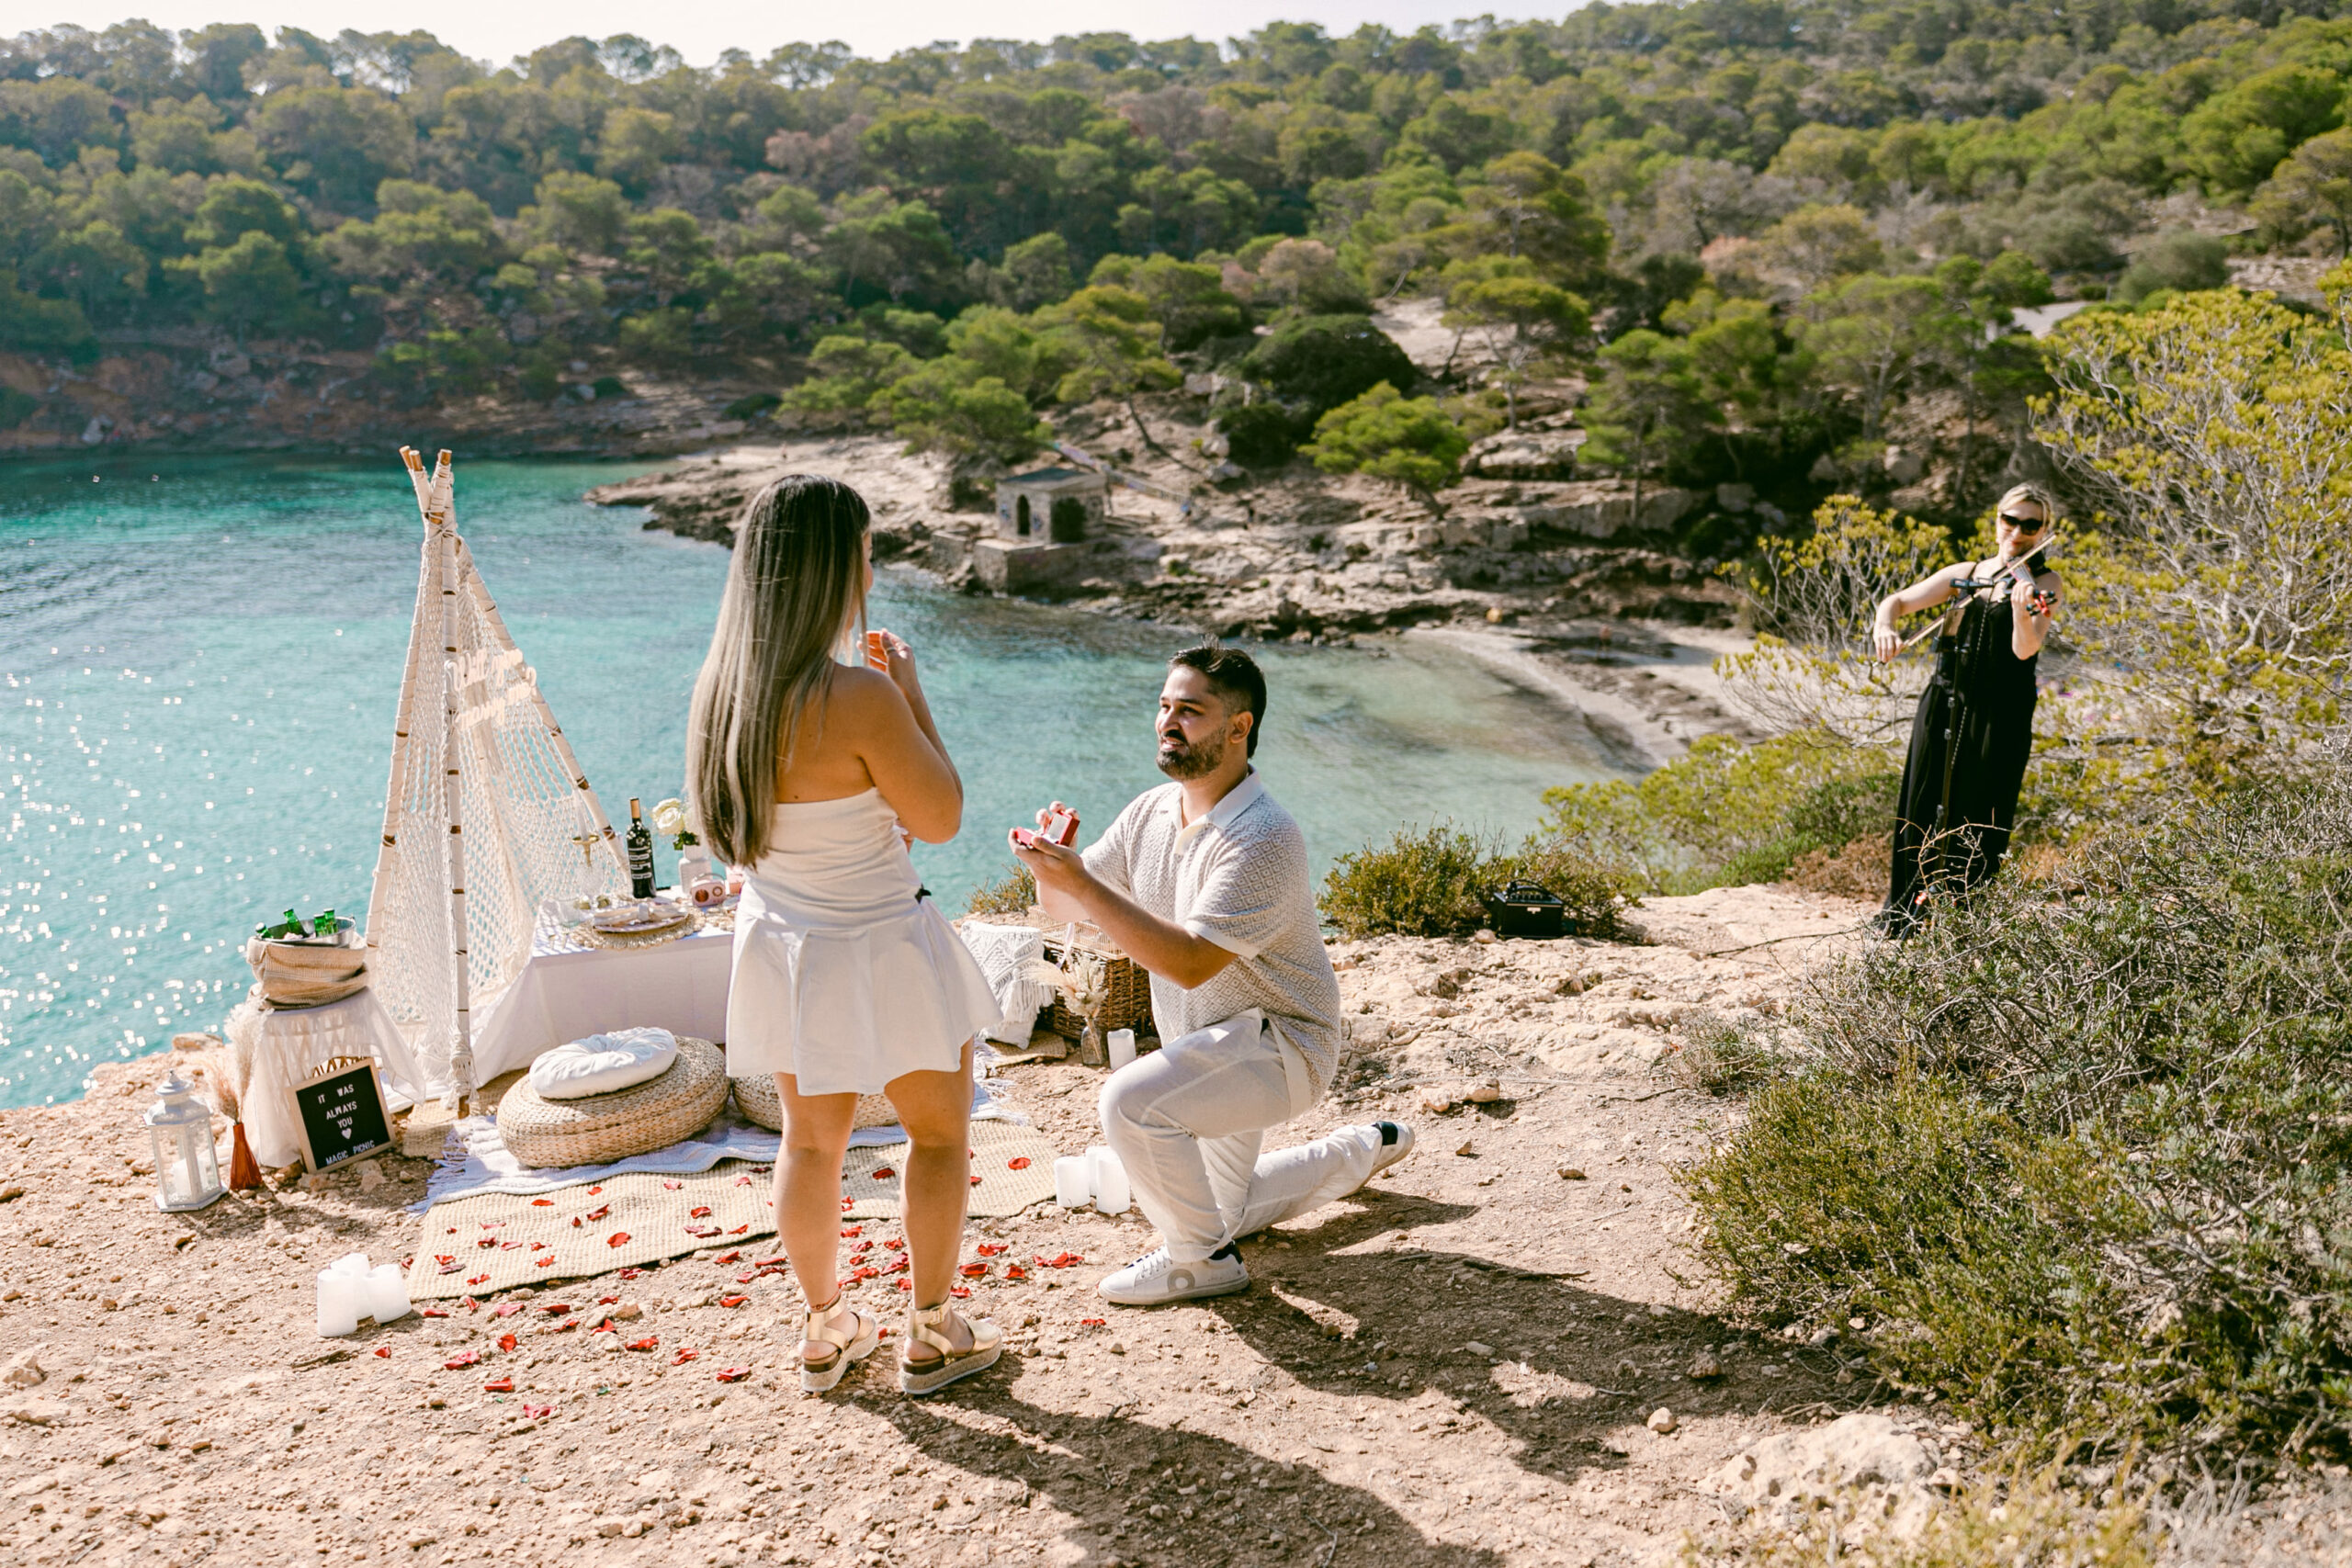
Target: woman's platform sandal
926,1330
848,1346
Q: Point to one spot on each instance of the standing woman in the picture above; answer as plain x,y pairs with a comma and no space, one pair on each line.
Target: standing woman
1974,731
847,981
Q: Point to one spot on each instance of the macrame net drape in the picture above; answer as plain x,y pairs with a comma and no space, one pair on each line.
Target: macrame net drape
487,812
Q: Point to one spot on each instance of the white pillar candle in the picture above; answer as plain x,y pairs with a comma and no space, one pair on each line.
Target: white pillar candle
387,1295
342,1303
1123,1048
1071,1187
1111,1194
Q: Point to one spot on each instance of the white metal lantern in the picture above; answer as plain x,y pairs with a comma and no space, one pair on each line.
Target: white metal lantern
180,1132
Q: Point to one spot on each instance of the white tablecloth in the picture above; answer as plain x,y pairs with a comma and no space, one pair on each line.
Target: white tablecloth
567,991
293,1045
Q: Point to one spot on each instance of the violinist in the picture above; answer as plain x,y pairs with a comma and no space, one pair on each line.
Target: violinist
1973,730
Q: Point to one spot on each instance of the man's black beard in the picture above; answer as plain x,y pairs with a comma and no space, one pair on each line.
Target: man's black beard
1180,760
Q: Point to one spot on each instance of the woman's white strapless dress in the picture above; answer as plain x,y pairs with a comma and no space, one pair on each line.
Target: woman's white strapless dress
843,976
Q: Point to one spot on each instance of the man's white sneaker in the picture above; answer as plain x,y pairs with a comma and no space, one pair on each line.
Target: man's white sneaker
1391,1149
1155,1278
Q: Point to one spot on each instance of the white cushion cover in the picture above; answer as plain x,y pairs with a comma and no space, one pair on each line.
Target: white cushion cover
603,1063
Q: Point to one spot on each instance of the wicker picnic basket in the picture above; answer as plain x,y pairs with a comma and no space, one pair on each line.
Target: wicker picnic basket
602,1128
1128,1006
756,1099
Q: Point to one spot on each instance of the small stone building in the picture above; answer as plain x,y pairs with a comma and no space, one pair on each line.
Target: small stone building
1051,505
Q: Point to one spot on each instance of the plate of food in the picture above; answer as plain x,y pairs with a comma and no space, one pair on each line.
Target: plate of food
639,916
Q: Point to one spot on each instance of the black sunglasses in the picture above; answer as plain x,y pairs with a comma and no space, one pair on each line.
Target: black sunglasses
2025,525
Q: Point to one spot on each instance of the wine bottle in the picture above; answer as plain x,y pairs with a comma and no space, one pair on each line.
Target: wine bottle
641,852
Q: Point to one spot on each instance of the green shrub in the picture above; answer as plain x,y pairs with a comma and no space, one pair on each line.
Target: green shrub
1724,814
2082,1166
1427,882
1324,361
1719,1056
1010,893
1261,434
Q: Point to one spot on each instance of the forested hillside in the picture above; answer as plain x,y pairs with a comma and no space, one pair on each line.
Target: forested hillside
1773,237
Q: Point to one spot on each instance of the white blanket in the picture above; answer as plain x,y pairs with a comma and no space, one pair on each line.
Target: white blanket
1006,954
477,1160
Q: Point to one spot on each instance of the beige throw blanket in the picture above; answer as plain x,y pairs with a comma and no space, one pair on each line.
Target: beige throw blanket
305,975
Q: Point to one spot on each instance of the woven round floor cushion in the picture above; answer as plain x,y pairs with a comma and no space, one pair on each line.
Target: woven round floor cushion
756,1099
602,1128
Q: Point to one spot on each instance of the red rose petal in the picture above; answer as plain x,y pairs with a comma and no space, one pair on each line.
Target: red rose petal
1019,1162
546,1262
906,1285
961,1291
618,1239
383,1349
498,1385
732,1300
895,1243
699,1212
508,1310
738,1230
538,1411
674,1186
598,1212
884,1173
726,1257
507,1342
556,1309
849,1231
651,1341
683,1356
461,1360
542,1202
479,1279
607,1301
990,1249
432,1312
973,1271
1093,1322
1014,1271
593,1191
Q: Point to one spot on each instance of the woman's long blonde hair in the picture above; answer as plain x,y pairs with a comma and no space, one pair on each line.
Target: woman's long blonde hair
796,590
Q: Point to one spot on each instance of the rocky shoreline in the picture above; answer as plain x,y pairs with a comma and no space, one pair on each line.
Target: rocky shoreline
1560,586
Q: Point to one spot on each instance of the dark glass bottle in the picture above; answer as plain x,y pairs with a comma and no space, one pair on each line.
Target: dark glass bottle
641,852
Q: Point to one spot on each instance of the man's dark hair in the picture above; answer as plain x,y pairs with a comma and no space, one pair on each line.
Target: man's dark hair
1235,677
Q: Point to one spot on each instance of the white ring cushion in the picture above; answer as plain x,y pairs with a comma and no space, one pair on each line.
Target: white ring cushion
603,1063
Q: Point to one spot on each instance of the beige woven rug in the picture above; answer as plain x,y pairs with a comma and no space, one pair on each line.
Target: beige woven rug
495,1241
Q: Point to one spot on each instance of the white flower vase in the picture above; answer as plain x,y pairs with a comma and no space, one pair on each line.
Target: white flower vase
694,863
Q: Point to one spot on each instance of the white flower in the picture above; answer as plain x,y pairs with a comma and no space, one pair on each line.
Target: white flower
670,816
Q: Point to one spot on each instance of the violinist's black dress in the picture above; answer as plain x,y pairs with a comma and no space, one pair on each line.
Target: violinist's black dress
1970,742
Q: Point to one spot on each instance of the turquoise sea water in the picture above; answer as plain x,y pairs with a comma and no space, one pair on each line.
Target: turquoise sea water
201,657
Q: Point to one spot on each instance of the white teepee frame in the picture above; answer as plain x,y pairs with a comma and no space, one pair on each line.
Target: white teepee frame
434,656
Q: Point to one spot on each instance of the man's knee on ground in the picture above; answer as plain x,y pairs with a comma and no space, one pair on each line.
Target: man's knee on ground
1125,1100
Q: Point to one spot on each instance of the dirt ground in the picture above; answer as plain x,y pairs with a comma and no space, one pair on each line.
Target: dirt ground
1459,1365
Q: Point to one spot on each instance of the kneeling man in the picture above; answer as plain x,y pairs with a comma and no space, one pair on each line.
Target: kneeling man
1204,883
